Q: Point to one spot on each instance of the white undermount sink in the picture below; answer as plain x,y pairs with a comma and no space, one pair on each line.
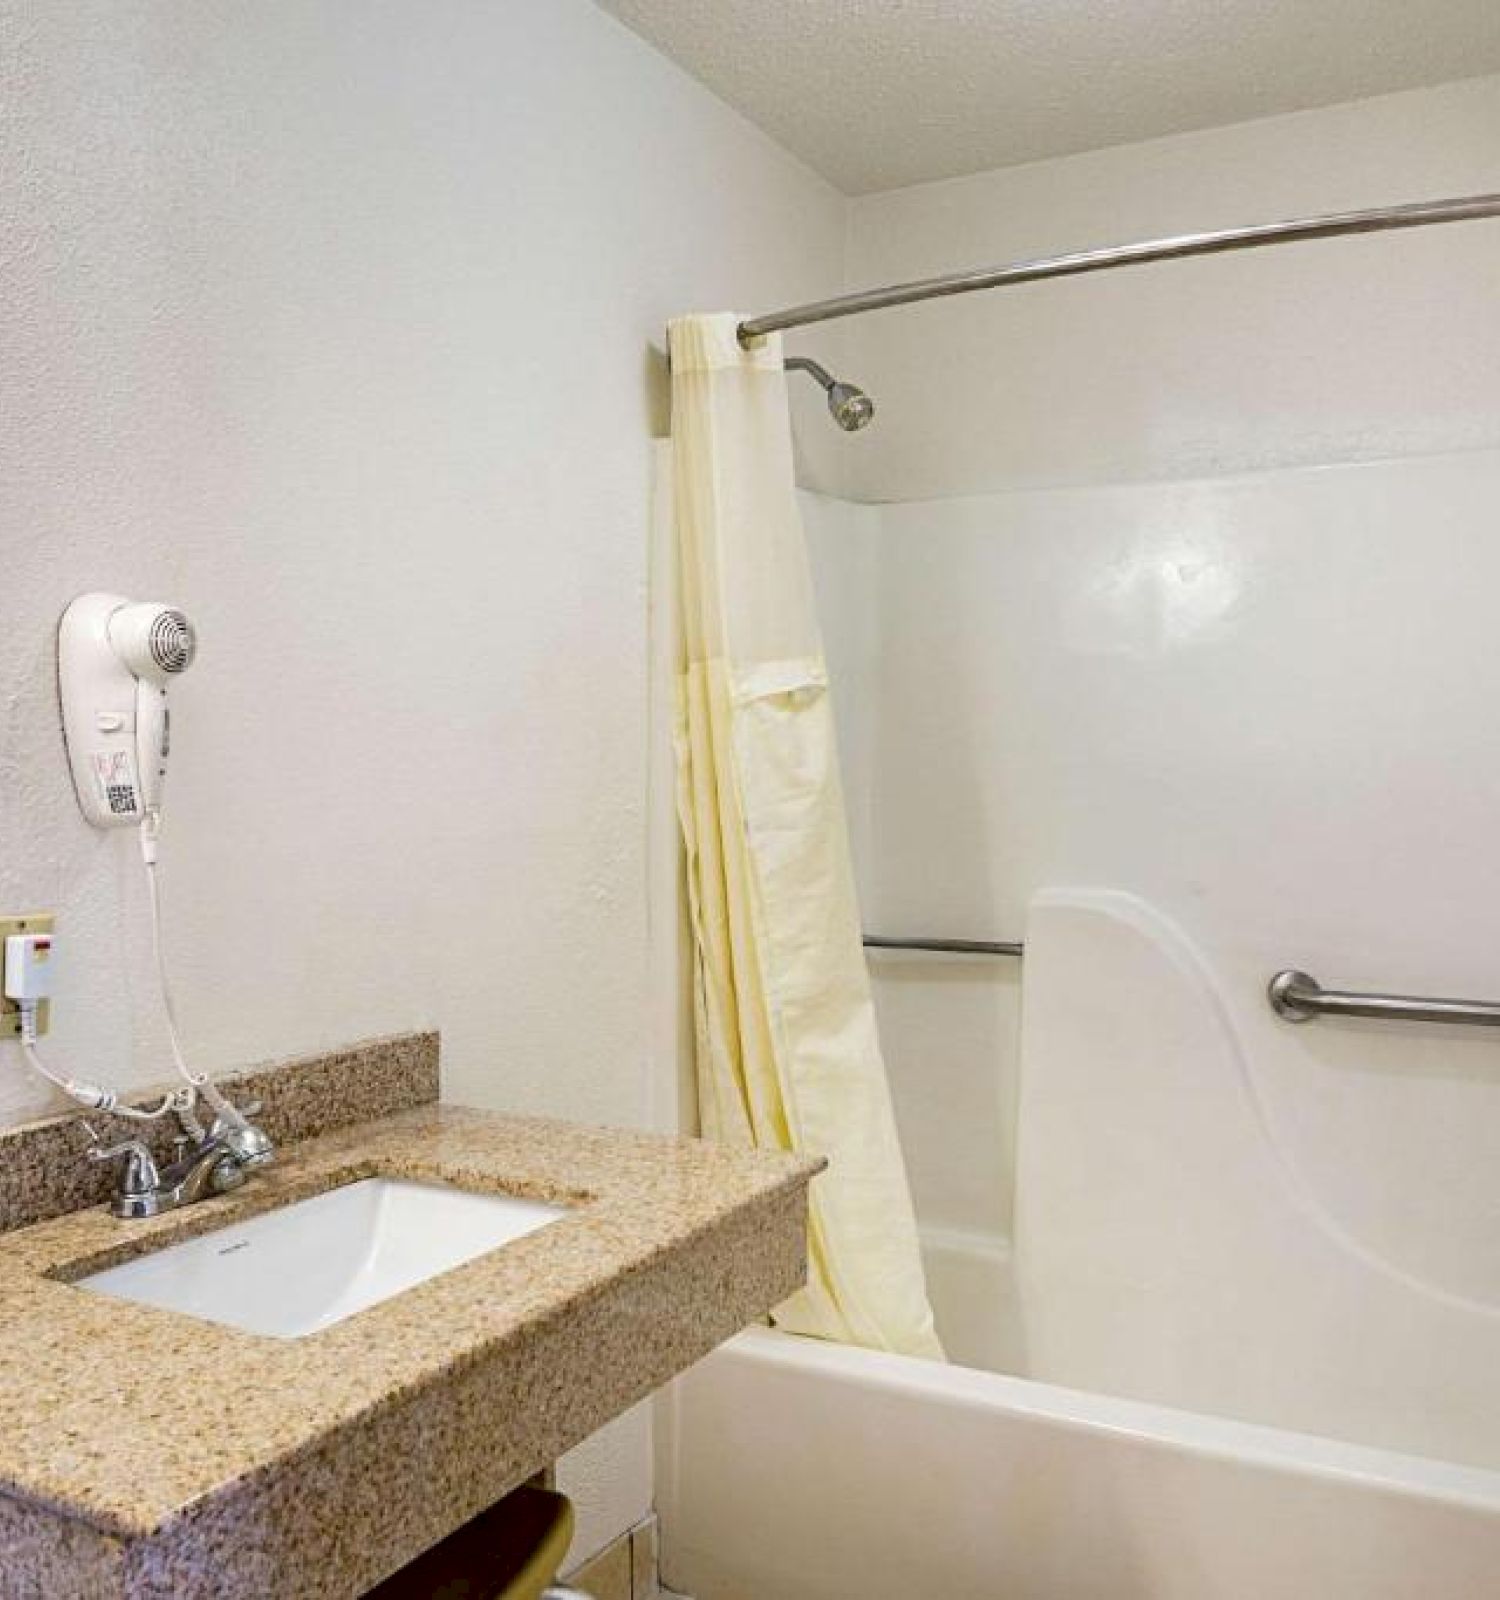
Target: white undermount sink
310,1264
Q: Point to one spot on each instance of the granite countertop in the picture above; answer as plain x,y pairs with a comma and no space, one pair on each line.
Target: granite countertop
176,1456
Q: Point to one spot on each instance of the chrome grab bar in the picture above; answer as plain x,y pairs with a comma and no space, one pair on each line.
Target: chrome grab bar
952,947
1299,998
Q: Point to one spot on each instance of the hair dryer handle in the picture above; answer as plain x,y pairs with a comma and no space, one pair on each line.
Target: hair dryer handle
153,742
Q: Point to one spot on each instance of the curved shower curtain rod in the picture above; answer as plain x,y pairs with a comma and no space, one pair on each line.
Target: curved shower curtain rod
1381,219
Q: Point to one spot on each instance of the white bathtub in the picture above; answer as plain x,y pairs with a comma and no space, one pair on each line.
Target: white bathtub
1196,1373
794,1470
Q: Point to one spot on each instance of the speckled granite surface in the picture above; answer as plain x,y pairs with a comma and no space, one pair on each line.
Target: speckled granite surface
185,1459
44,1172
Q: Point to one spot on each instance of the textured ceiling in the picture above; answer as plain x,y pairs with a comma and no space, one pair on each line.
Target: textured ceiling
879,93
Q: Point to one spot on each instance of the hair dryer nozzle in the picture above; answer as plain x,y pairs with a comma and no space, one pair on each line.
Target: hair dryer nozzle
153,641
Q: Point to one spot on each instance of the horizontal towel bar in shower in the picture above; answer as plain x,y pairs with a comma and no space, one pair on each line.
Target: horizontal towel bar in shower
951,947
1299,998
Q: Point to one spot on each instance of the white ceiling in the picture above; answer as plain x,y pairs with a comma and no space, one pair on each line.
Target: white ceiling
879,93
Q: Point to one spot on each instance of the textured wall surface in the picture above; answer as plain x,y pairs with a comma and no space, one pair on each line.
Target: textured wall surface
334,324
336,328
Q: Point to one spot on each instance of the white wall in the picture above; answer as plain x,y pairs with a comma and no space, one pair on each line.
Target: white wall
334,323
1339,350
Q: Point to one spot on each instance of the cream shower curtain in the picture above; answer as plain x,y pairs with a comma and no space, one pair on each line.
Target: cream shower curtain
787,1052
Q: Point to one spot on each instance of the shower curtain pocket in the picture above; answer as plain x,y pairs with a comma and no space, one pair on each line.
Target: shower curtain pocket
787,774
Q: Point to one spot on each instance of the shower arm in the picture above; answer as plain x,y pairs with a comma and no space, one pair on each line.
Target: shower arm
1335,225
848,404
815,369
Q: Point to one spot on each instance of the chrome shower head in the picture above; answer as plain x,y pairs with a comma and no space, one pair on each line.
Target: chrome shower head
848,404
852,408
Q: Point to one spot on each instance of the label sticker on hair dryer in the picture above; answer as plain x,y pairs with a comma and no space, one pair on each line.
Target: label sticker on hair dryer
116,775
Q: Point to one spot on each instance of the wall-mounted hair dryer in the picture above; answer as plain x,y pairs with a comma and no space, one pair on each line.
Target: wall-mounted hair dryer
115,658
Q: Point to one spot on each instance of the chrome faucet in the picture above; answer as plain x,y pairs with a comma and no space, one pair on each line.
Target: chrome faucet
211,1163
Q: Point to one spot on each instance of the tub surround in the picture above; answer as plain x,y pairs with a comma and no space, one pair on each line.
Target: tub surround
144,1453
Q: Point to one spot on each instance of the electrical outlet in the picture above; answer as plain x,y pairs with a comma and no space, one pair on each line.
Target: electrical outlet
10,1012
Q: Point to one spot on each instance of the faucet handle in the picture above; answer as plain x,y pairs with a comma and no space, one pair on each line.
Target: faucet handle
140,1175
247,1141
230,1115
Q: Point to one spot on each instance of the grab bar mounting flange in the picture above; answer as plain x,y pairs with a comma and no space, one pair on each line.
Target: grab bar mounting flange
1299,997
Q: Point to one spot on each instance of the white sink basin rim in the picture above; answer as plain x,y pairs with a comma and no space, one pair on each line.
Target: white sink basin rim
308,1265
